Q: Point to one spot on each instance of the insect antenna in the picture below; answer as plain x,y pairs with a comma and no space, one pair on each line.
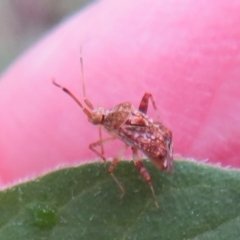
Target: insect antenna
85,110
87,102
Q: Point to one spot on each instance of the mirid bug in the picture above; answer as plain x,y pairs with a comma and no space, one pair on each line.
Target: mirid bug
134,128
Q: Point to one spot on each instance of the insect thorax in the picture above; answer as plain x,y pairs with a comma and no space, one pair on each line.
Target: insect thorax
117,116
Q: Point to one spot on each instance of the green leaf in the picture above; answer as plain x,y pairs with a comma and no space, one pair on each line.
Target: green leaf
196,202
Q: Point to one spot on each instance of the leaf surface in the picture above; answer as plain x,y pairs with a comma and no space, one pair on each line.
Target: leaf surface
196,202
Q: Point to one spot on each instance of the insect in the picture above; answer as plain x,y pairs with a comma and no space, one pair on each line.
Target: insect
134,128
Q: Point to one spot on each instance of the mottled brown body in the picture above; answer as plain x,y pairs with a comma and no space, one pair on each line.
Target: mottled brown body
135,129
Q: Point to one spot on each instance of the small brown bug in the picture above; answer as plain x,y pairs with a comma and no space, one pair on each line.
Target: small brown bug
134,128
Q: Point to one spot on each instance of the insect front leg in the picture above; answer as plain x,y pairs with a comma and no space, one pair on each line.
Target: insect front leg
143,171
100,143
113,166
143,107
115,161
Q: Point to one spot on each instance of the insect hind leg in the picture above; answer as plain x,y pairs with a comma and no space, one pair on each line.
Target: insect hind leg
143,171
143,107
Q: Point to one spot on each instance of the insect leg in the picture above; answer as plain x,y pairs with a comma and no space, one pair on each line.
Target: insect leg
143,171
115,161
100,143
143,107
113,166
100,137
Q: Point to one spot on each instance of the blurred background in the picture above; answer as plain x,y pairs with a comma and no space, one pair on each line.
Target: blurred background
23,22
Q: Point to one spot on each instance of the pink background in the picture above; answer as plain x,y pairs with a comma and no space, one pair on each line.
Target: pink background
187,54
